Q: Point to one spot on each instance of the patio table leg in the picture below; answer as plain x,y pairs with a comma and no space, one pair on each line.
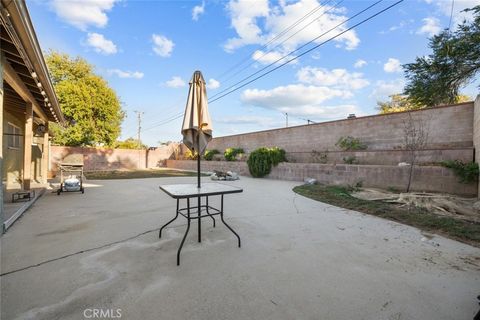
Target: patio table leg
176,216
208,212
186,232
199,202
221,216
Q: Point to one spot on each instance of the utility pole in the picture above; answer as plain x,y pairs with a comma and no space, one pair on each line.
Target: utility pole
139,128
286,120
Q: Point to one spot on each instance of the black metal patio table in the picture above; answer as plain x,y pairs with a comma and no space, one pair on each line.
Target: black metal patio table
189,191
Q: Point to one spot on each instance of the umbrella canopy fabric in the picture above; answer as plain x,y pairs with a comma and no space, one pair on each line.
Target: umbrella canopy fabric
197,126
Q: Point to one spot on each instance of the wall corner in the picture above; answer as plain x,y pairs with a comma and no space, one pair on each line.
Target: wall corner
476,133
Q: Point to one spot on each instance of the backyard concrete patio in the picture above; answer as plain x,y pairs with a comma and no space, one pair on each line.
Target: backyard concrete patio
300,259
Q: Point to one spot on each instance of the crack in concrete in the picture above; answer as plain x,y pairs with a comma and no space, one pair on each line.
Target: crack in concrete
295,203
128,239
85,251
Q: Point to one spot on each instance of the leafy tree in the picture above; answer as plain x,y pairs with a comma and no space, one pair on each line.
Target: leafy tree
399,103
130,143
437,78
90,106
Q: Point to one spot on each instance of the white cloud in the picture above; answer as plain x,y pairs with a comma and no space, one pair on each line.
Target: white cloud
307,97
322,112
257,24
392,65
100,44
336,78
83,13
244,14
162,46
266,57
360,63
213,84
246,119
444,7
384,89
197,11
430,27
299,100
270,57
399,26
290,96
175,82
126,74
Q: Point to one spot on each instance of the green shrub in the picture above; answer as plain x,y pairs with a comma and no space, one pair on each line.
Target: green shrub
231,153
467,172
278,155
350,160
209,154
261,160
350,143
189,155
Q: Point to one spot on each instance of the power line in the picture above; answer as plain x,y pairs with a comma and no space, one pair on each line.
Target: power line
305,52
273,39
296,57
283,32
302,46
173,106
155,122
308,120
285,40
451,15
277,37
173,118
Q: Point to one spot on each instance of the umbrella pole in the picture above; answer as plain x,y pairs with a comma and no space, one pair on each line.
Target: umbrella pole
198,170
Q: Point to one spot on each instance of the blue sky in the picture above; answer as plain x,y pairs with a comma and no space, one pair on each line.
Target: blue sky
148,50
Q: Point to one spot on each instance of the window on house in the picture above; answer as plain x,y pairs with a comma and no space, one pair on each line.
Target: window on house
14,135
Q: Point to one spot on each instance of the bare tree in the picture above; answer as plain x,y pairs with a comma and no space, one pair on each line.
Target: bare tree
415,135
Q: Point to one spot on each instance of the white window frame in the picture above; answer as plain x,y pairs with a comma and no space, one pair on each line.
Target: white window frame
14,136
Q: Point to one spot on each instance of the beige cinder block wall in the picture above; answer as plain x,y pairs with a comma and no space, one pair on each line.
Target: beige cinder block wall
449,126
2,59
476,132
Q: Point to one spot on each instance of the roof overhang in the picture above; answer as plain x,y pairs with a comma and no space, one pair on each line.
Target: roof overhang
23,56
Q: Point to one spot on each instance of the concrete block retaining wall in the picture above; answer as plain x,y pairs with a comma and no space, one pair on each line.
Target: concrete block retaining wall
451,137
426,178
386,157
449,127
476,132
99,159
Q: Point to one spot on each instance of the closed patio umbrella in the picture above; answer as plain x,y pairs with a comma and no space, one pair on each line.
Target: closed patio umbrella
197,126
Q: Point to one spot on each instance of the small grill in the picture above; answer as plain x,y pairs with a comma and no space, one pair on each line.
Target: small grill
71,174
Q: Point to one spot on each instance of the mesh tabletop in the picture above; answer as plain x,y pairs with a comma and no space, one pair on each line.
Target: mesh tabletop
191,190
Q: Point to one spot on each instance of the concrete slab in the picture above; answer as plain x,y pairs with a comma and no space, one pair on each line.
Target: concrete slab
300,259
14,210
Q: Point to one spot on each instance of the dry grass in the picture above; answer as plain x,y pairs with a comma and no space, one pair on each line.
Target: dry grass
137,174
464,231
